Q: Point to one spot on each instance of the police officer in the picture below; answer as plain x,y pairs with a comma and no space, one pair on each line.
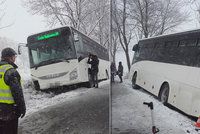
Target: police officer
12,105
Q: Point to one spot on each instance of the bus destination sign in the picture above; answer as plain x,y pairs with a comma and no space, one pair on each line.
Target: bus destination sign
47,36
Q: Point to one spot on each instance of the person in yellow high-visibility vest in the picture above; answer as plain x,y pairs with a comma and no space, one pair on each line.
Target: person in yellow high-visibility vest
12,105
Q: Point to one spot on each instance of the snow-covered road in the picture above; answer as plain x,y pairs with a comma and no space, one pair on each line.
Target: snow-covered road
80,111
130,116
84,111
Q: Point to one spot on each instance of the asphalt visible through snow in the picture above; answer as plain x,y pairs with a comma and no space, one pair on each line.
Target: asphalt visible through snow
86,113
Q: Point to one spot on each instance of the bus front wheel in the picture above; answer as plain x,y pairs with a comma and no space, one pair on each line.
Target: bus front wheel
36,85
134,85
164,93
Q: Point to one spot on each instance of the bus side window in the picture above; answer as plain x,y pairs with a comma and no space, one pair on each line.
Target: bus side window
78,43
137,55
154,49
191,42
168,44
182,43
198,42
158,51
142,51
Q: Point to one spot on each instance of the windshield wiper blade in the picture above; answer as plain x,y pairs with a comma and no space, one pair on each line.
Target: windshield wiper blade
44,62
61,60
65,60
51,61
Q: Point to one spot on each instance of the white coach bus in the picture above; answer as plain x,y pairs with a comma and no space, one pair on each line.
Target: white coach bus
168,66
59,57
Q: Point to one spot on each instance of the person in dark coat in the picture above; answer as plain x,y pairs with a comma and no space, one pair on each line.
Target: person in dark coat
94,61
120,71
113,71
12,105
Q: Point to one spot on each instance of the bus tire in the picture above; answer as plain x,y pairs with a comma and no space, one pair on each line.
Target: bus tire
36,85
164,93
107,75
134,85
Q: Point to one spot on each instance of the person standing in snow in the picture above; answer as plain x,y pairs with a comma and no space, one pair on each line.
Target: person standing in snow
94,61
12,105
120,71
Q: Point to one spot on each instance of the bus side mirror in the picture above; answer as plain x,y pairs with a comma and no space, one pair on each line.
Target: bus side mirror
135,47
20,45
19,50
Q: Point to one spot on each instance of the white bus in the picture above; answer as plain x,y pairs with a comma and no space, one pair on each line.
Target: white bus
168,66
59,57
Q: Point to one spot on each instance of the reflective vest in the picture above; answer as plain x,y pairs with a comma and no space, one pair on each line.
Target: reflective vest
5,92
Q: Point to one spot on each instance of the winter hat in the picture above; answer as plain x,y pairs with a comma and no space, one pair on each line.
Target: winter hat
8,52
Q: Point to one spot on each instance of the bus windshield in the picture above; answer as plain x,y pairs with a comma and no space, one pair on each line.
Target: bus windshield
51,50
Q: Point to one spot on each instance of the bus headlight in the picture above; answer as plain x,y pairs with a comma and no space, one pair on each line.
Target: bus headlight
73,75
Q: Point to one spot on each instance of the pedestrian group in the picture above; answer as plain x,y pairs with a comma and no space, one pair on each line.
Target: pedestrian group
115,72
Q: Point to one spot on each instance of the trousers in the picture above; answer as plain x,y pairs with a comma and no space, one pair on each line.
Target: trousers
9,127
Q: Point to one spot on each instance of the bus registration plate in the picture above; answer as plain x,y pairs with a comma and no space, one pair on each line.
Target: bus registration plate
53,85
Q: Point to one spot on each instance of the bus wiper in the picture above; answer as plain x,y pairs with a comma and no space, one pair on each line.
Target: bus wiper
65,60
51,61
61,60
44,62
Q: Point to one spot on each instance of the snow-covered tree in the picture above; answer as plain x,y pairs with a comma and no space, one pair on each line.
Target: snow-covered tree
146,18
2,13
124,26
115,44
195,6
100,16
90,17
156,17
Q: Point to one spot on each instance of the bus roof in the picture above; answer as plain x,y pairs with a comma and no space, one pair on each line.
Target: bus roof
65,27
48,30
172,34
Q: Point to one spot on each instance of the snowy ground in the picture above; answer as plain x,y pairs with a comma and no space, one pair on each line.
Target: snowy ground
83,110
129,115
36,101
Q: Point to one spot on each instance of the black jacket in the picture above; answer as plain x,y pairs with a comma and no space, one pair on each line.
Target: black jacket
113,68
120,70
94,61
12,78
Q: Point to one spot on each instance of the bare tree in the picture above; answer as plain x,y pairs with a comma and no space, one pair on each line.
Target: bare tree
115,44
64,12
88,16
2,14
1,10
101,18
195,6
155,17
124,26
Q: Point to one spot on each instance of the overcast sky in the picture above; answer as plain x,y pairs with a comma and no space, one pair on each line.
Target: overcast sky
24,23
